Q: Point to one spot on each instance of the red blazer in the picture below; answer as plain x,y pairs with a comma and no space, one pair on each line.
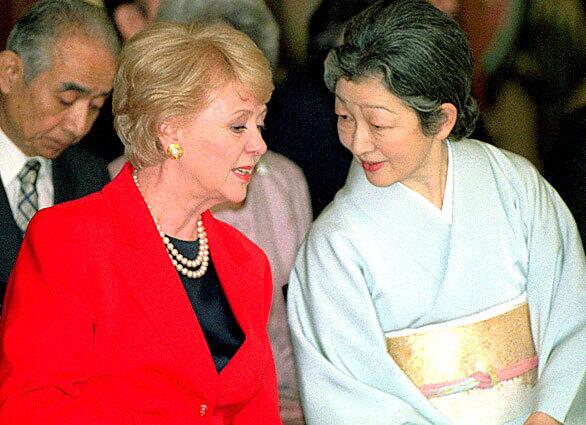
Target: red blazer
97,328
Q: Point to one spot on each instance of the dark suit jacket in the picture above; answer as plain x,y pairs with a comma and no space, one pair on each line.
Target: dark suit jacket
102,140
98,329
76,173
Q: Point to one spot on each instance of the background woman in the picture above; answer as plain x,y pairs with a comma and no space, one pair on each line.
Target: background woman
445,283
134,305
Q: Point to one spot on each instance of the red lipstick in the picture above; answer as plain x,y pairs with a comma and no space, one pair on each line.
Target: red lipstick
243,173
372,166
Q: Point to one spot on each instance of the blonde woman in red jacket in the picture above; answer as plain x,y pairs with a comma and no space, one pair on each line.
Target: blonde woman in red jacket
134,305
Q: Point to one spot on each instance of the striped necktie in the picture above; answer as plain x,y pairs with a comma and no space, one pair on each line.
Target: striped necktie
28,198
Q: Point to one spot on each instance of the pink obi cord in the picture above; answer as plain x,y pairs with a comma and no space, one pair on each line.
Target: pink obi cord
481,380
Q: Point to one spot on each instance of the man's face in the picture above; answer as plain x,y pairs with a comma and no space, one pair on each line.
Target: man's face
58,107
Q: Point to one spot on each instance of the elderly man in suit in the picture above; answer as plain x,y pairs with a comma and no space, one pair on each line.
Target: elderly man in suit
55,75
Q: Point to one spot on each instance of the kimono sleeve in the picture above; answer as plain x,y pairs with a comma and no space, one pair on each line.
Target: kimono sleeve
557,297
345,375
46,332
577,413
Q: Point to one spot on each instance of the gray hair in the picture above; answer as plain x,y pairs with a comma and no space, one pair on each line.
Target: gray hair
252,17
35,34
422,55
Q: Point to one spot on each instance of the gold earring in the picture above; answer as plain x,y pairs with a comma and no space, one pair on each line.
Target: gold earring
174,151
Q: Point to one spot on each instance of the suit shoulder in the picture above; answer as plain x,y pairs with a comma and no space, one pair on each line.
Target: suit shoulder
75,154
80,162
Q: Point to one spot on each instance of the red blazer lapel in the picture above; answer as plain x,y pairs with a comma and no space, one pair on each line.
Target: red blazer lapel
244,290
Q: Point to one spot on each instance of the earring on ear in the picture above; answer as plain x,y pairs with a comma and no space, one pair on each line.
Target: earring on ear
174,151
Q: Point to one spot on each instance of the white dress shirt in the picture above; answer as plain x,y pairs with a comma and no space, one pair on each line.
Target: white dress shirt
11,162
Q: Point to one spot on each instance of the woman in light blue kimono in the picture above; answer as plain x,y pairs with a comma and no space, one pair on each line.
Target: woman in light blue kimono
446,283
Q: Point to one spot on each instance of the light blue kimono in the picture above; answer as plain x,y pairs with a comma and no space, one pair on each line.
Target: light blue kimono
375,261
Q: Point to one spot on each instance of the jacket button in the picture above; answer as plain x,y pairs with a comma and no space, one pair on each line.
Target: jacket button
203,410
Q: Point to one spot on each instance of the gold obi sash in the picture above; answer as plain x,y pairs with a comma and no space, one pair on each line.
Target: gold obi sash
477,362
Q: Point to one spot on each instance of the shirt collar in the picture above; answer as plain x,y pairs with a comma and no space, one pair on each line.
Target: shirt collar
12,160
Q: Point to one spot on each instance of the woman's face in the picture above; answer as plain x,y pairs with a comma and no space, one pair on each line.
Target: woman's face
222,144
382,133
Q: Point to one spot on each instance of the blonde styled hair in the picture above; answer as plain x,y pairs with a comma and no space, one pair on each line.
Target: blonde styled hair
171,70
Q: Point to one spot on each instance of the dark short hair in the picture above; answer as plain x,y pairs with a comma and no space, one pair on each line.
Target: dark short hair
422,55
34,35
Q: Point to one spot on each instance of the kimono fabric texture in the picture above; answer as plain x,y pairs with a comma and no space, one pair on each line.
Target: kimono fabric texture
98,328
378,261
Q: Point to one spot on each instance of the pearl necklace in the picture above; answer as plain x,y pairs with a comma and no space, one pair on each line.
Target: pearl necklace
183,265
